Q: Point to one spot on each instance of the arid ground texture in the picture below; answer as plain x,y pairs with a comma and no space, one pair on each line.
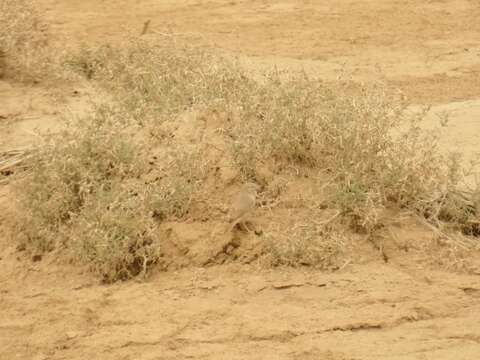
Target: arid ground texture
407,294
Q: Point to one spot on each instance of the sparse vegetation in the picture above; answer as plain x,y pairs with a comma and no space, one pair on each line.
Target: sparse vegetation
95,189
306,244
89,192
114,232
156,80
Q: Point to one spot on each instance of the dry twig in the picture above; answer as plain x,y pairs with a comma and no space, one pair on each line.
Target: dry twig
13,159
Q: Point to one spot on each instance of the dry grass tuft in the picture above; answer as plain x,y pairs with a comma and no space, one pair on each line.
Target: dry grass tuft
114,233
305,245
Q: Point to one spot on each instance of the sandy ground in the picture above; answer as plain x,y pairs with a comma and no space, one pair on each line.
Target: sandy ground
402,309
371,311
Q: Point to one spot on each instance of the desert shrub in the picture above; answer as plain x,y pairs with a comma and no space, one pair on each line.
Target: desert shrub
114,233
274,122
72,166
364,142
182,179
92,191
367,140
380,156
305,244
156,80
23,40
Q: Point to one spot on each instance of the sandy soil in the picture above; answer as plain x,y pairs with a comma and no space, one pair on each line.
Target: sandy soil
372,311
403,309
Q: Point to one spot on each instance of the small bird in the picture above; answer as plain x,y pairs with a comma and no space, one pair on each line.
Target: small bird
243,205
